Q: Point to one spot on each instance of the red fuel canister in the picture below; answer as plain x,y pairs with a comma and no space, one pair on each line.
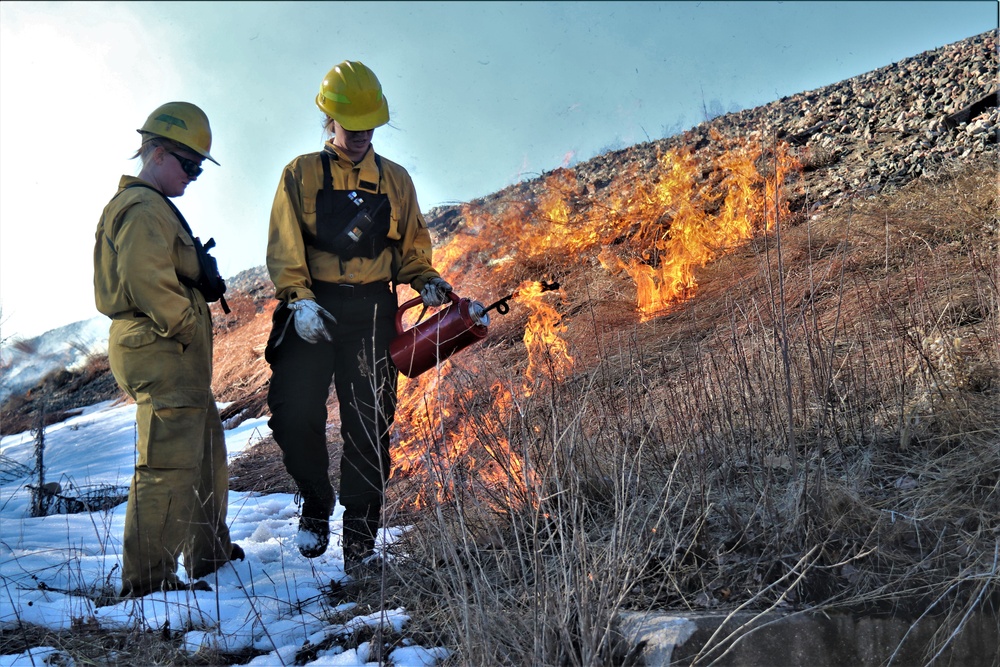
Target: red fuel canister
430,342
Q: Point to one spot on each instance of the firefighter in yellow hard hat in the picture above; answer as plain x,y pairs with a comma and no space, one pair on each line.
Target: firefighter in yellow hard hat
345,229
150,278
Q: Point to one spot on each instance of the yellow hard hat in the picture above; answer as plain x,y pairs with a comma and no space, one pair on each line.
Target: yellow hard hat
352,95
184,123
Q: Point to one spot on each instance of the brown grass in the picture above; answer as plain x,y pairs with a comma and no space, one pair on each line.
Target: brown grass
60,396
816,428
88,644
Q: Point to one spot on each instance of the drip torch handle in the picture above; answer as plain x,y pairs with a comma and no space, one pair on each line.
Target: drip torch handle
417,301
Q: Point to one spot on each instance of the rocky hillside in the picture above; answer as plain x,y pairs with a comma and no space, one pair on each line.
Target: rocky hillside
854,138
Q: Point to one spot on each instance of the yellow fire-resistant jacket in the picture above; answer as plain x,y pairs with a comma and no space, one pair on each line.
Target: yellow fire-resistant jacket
140,249
293,264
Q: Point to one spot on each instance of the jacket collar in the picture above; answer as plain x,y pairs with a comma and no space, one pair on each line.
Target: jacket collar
367,170
126,181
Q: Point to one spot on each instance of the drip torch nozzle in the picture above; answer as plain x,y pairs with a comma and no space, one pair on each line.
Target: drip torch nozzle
501,305
547,286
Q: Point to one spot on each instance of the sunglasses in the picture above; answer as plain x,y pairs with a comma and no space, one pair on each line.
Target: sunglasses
190,167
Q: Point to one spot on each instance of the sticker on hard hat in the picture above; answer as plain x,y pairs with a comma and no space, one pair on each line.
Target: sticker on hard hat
172,120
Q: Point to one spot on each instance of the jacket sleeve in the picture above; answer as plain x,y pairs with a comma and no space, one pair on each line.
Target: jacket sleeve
286,249
416,266
145,242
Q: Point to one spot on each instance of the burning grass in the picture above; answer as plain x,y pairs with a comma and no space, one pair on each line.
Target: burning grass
804,417
816,427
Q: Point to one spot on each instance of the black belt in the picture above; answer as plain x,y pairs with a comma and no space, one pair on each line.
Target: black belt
348,290
129,314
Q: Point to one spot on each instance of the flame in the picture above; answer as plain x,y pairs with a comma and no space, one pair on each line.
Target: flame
440,441
547,350
681,224
656,225
452,453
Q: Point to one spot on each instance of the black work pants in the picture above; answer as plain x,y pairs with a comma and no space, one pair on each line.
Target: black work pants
364,376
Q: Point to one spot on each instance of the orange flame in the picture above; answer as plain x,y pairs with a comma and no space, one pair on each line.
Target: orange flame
542,337
682,225
657,226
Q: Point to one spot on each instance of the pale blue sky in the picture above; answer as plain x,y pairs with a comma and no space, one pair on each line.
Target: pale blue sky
481,94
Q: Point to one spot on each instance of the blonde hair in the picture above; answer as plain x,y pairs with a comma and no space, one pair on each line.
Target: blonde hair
328,125
150,142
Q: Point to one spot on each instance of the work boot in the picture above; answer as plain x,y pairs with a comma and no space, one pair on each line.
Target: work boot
359,558
209,567
358,541
314,528
129,591
357,552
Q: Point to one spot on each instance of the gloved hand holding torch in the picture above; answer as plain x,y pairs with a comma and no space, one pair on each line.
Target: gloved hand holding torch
435,292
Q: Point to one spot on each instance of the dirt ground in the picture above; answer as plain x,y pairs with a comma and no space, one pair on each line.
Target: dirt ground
60,396
260,468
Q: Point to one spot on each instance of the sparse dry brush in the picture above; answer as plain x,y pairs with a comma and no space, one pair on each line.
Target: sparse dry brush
86,643
60,395
818,427
240,373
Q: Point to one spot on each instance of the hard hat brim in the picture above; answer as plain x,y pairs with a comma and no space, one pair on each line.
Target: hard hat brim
204,154
368,121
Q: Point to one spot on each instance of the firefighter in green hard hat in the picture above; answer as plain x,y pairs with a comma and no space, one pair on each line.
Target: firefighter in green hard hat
149,280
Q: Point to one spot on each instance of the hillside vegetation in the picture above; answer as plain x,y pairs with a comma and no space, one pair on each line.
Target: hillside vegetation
769,380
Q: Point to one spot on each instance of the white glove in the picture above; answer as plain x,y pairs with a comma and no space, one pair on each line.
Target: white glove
309,323
435,292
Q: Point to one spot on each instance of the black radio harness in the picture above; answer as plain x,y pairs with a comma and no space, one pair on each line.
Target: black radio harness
209,282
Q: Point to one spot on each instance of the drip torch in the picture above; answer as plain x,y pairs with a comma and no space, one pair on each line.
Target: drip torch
448,331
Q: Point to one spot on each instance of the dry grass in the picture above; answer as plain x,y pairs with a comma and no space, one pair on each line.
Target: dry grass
240,373
91,645
816,428
59,396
